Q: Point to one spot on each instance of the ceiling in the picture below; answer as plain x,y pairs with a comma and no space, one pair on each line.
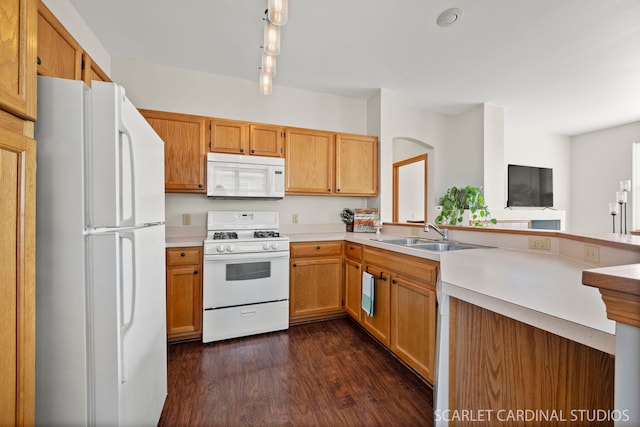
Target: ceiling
564,67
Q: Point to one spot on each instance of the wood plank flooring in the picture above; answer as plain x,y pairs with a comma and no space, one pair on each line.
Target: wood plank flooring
319,374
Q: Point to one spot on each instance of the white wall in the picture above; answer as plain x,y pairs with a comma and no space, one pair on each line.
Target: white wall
534,148
434,132
599,161
172,89
465,158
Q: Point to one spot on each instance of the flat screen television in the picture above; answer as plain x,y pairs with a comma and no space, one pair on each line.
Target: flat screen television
530,186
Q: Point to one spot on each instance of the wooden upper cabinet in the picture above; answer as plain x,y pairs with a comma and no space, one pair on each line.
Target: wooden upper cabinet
266,140
309,161
228,136
59,54
356,165
91,71
185,159
237,137
18,25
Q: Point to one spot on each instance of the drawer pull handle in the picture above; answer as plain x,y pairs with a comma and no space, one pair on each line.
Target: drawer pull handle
295,265
357,267
183,254
318,247
394,281
195,271
247,313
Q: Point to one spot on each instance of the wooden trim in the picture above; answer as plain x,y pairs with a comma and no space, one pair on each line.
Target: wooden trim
620,290
396,182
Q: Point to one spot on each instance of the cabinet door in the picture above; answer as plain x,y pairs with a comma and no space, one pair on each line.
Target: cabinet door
379,323
356,165
18,21
315,286
185,159
413,325
59,54
266,140
352,288
184,302
228,136
309,161
91,71
17,278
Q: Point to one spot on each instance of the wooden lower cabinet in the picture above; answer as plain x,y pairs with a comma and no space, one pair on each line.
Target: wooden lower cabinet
413,321
379,324
184,293
404,317
315,281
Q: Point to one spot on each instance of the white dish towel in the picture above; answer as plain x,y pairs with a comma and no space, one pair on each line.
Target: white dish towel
368,292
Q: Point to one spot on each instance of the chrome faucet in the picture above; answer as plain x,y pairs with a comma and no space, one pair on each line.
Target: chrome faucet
444,233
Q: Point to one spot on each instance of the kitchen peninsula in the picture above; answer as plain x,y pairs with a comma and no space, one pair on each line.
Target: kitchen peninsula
517,329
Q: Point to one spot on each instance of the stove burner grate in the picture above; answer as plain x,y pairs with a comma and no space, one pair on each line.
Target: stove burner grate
224,235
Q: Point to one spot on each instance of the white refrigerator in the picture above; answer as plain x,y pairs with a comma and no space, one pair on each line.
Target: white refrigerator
101,355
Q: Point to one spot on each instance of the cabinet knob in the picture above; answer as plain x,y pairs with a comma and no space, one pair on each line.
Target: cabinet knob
253,151
357,267
183,254
318,247
384,279
200,186
338,189
394,281
242,150
195,271
328,189
39,61
294,265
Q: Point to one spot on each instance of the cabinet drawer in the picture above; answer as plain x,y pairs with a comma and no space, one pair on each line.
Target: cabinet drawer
353,250
315,249
420,269
184,256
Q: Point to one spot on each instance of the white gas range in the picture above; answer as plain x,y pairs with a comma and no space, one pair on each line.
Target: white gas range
246,275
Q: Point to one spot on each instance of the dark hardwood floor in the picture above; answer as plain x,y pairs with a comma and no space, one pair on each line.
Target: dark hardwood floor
319,374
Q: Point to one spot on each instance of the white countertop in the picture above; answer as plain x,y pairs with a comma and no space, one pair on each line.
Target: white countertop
541,289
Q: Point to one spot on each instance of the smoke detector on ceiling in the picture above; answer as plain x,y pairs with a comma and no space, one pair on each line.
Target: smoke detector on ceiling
449,17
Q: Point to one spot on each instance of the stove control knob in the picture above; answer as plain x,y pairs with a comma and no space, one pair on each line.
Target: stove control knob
274,246
265,246
220,248
231,248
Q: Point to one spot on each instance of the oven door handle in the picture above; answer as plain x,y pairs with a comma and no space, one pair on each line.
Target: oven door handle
245,256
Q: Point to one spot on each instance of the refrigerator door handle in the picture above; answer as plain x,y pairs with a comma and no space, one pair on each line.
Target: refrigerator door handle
126,319
132,219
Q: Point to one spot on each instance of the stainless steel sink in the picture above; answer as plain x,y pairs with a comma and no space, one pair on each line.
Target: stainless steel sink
446,246
406,241
431,245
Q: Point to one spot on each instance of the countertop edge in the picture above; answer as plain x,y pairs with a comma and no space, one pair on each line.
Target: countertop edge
590,337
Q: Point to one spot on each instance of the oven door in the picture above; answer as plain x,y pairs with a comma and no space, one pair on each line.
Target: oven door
239,279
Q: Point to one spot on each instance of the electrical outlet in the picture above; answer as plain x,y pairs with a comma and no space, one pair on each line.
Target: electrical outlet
592,254
186,219
294,218
540,243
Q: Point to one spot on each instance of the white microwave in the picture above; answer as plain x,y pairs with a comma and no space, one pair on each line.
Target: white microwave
236,176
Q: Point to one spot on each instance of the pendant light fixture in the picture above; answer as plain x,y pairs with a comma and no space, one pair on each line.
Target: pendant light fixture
271,38
268,64
276,15
278,12
266,83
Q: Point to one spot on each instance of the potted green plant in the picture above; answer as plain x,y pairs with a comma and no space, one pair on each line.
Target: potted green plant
457,199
